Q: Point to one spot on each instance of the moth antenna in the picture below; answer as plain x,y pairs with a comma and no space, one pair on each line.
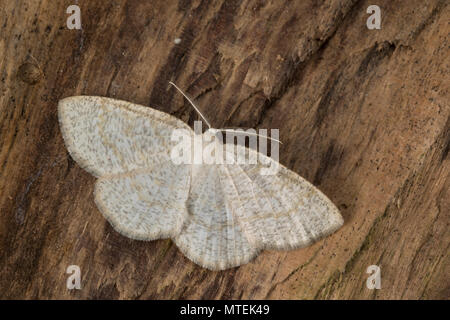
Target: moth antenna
192,103
251,134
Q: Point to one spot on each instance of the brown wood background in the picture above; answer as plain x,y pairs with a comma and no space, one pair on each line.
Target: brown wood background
363,114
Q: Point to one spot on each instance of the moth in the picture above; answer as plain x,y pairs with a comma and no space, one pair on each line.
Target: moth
219,215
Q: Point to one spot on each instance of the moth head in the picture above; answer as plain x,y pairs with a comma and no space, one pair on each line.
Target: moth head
212,131
213,134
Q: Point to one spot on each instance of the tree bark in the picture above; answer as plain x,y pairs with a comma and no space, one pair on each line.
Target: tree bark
363,115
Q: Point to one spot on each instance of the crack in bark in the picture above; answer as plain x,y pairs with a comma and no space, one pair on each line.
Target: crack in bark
329,286
441,4
300,267
296,75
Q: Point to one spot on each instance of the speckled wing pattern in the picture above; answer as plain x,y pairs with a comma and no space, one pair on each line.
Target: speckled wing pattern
211,235
220,216
139,191
277,211
145,204
107,136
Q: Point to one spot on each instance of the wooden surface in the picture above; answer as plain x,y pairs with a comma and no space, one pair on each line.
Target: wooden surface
363,114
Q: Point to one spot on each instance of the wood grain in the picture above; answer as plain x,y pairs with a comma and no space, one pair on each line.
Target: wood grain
363,114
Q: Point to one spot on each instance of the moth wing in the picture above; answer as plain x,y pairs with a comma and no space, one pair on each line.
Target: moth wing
107,136
211,235
145,204
279,210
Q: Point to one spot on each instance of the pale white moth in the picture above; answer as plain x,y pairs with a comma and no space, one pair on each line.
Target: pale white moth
219,215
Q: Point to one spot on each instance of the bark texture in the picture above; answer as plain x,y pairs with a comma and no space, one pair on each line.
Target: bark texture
363,114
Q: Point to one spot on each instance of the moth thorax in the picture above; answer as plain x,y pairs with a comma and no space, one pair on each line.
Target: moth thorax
212,131
208,147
